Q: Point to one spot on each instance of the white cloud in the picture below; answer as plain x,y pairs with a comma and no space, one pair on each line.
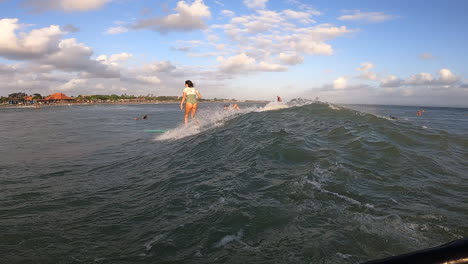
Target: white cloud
228,13
366,72
65,5
422,78
304,7
264,21
70,85
370,17
118,88
447,77
114,59
237,63
102,58
269,34
75,57
243,63
160,66
7,69
311,40
291,59
310,46
254,27
45,48
444,88
33,44
255,4
192,42
304,17
270,67
120,57
340,83
149,79
218,3
391,81
444,78
116,30
212,38
187,17
182,49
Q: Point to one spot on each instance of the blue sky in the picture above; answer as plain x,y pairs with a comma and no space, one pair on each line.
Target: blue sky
375,52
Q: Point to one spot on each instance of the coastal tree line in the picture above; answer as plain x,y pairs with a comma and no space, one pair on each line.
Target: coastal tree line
116,98
23,97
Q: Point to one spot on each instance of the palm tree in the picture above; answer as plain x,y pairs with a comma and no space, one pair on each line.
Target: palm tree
36,96
19,95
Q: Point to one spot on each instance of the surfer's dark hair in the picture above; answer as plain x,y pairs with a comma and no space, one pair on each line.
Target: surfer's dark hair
189,83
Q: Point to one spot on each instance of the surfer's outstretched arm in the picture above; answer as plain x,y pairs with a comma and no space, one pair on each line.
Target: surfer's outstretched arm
183,100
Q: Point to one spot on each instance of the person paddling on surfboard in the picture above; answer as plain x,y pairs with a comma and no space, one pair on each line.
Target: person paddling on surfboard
190,94
144,117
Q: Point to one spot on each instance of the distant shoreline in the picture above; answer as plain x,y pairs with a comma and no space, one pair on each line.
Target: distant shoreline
114,103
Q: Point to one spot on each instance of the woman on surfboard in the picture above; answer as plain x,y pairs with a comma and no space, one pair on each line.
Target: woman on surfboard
190,94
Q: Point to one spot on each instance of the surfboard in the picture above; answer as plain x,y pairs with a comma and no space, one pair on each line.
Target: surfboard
155,131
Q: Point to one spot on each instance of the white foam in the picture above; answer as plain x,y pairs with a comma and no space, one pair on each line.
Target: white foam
230,238
149,245
273,106
206,119
343,197
211,118
344,256
179,132
333,107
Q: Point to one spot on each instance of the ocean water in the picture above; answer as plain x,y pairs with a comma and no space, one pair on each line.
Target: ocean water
300,182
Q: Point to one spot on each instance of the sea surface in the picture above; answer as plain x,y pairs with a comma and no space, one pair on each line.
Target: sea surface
301,182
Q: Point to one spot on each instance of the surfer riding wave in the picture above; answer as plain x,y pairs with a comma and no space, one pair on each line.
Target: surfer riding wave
191,96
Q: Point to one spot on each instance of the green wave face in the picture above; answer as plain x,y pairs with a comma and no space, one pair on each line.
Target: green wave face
299,183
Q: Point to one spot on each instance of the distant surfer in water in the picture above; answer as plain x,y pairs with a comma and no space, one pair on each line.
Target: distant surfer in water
144,117
233,106
420,112
190,95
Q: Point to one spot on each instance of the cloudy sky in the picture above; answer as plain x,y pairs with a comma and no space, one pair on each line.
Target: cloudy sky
362,51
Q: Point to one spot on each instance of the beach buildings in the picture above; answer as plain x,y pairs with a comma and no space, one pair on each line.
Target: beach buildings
58,98
24,99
